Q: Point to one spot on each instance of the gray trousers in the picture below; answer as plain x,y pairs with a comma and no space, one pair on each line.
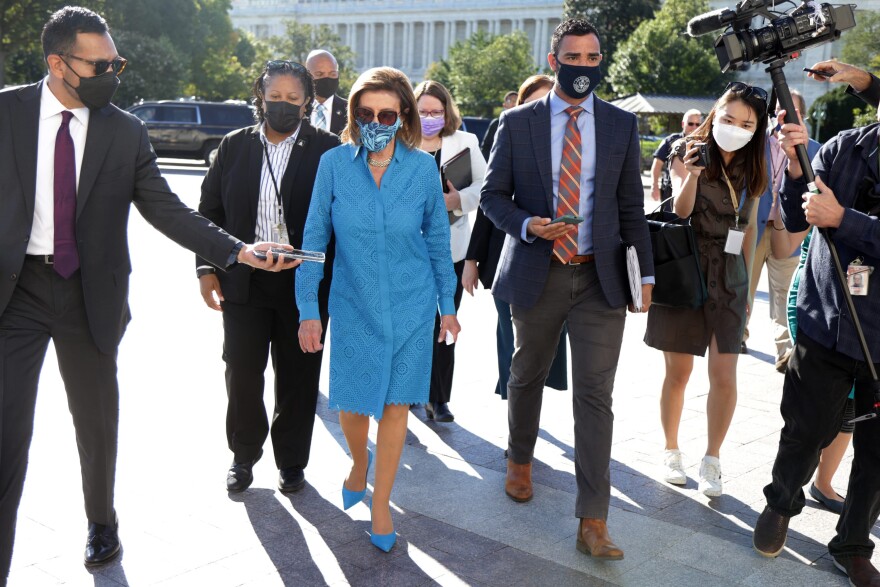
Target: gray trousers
572,294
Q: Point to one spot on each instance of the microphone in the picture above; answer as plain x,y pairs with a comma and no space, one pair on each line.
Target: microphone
711,21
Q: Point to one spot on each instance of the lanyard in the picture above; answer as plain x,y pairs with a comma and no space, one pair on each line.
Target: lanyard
732,195
274,183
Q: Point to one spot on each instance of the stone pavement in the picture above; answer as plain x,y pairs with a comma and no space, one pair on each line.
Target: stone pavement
455,525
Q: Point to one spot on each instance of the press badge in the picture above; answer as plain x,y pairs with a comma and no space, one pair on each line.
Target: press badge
281,234
734,242
858,277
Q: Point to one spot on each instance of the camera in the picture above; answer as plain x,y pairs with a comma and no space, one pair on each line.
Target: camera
702,155
786,35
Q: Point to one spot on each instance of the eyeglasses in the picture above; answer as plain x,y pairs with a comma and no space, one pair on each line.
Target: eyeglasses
432,113
101,67
745,90
365,116
693,124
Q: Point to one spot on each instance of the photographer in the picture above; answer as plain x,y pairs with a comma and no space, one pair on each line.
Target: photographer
661,185
719,196
827,356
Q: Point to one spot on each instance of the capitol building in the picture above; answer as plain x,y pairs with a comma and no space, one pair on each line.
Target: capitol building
406,34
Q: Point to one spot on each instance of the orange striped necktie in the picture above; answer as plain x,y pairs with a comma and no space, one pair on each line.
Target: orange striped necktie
568,202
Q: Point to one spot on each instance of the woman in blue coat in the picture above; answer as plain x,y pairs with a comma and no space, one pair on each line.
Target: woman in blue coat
381,198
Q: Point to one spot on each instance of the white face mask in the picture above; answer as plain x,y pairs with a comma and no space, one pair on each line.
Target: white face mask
731,138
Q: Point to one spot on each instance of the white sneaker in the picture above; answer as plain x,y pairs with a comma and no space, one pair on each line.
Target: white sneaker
710,477
674,470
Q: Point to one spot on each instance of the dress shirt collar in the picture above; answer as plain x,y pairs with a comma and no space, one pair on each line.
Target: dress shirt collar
558,105
286,141
50,106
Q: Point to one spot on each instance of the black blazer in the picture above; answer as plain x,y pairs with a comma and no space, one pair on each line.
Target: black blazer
231,190
339,116
118,169
487,241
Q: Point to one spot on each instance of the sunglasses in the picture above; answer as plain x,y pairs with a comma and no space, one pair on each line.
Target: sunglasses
745,90
365,116
276,64
693,124
101,67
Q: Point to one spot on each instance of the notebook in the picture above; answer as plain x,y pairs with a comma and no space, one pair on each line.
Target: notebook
457,170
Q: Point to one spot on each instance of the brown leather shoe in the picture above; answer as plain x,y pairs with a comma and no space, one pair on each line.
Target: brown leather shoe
859,569
770,532
518,485
593,539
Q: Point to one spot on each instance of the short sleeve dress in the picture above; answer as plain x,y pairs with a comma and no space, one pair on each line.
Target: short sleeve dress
685,330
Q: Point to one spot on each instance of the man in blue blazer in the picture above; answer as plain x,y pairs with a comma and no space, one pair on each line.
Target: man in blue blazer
568,153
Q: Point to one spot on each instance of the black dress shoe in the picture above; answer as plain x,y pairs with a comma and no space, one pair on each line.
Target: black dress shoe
834,505
102,544
291,479
859,569
241,475
771,530
429,411
442,413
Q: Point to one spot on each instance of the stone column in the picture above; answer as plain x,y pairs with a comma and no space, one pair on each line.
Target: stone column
409,47
370,34
387,49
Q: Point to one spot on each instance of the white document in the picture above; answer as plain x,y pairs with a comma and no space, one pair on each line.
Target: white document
634,273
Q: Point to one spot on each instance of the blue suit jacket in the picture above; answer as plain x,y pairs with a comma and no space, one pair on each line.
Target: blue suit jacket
519,185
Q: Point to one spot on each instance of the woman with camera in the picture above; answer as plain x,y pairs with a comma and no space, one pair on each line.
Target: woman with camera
718,173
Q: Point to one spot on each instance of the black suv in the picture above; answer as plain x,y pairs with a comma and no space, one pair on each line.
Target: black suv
189,129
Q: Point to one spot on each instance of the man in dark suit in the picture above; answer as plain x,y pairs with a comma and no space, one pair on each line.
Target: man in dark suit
71,165
259,316
568,154
330,110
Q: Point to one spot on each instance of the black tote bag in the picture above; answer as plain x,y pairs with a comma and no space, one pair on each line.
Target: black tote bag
679,279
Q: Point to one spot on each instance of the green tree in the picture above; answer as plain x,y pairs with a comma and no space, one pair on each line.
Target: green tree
861,45
833,112
659,59
160,80
301,39
481,69
614,19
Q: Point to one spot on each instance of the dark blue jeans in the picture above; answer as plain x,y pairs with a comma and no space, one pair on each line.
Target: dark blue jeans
814,397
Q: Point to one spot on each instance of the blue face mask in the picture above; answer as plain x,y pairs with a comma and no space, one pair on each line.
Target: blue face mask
375,136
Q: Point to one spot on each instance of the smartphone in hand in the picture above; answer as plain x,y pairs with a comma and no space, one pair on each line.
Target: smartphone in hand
568,219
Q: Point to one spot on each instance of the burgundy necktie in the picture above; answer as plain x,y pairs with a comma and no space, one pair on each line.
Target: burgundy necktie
66,256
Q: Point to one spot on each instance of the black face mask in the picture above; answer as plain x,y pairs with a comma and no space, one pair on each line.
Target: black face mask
326,86
577,81
95,92
282,116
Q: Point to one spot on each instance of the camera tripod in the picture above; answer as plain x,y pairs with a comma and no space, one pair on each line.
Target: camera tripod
783,95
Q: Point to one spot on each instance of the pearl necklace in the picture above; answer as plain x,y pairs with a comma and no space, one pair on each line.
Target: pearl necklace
377,163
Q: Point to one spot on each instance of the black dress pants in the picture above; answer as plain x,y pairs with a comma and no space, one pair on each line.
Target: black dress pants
46,306
814,397
269,324
443,361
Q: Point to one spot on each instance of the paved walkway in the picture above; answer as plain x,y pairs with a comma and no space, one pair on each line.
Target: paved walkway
455,525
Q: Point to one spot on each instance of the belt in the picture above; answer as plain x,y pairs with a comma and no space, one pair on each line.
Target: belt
44,259
576,260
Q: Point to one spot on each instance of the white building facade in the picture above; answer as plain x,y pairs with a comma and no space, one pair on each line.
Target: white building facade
406,34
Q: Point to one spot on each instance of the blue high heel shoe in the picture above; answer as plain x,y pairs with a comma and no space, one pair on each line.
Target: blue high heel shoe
350,498
384,542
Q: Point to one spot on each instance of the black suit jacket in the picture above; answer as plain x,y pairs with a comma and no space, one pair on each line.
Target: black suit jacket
339,116
487,241
118,169
231,190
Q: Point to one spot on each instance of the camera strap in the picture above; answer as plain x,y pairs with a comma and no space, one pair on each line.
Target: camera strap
734,200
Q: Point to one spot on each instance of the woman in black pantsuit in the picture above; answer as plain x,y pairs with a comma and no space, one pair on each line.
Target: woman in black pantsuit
259,188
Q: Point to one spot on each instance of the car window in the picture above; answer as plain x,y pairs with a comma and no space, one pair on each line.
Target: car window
180,114
232,116
147,113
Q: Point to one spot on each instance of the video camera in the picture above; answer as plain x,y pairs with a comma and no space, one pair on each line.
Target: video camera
786,35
